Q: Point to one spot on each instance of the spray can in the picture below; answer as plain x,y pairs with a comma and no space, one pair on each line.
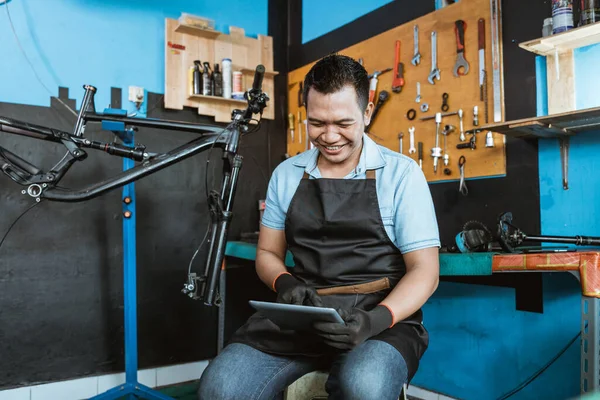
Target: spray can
206,81
238,93
197,77
226,64
590,12
562,15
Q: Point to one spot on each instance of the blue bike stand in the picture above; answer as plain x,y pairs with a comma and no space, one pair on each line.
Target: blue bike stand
131,389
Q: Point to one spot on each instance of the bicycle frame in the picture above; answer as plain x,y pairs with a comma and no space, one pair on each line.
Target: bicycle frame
43,185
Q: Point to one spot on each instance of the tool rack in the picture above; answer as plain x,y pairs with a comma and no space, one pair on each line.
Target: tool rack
378,53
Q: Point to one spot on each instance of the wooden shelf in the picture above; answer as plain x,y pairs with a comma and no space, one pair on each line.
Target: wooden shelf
556,125
268,74
201,97
569,40
192,30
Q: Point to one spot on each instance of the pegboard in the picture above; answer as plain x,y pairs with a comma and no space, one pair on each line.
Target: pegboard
378,53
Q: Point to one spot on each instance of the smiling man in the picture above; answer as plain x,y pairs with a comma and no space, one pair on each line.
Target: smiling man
360,223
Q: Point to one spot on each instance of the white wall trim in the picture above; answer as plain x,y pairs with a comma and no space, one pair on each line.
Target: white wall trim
84,388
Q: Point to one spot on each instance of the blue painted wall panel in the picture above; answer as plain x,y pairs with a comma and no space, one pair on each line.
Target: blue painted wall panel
320,17
101,42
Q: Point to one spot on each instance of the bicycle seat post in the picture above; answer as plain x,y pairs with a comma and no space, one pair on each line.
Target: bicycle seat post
86,104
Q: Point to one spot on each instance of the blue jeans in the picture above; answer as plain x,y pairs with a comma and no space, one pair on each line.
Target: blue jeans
373,370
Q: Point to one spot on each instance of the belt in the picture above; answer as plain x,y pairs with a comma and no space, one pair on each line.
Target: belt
361,288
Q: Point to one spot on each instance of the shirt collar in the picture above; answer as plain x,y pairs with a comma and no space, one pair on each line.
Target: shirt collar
370,158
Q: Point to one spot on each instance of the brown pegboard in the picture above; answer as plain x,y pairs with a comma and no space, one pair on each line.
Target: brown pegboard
378,54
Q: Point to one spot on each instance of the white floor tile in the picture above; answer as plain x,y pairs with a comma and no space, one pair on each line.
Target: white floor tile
179,373
147,377
422,393
68,390
106,382
23,393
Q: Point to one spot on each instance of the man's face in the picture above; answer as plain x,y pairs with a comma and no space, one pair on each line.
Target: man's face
336,123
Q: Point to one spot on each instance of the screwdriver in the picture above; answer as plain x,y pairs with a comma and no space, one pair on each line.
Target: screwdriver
420,150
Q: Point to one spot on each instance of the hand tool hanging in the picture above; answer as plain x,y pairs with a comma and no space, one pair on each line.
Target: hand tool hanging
373,83
459,28
483,92
435,71
398,81
462,186
291,125
416,60
436,152
495,21
384,95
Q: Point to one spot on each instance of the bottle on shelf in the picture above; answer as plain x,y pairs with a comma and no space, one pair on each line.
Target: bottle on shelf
206,80
197,77
217,79
226,75
590,12
562,16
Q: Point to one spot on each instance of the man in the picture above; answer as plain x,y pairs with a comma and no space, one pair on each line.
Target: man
360,222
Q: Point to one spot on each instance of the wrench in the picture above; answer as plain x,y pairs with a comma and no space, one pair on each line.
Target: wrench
418,99
412,149
435,72
417,57
460,27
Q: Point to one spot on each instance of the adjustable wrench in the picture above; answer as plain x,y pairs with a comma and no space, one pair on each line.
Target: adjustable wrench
382,98
435,72
412,149
417,57
418,99
459,27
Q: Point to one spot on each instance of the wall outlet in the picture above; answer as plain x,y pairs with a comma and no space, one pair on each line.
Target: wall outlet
136,94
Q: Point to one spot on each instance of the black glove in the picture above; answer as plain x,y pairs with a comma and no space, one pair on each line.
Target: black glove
360,325
292,291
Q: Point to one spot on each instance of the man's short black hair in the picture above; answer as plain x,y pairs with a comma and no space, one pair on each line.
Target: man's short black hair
331,73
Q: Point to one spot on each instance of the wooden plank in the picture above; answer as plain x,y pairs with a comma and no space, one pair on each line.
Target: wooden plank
195,31
378,54
561,82
579,37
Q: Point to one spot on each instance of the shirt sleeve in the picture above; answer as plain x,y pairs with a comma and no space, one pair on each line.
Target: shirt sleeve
415,221
274,215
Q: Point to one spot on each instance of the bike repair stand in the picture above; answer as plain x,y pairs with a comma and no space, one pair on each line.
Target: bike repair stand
131,389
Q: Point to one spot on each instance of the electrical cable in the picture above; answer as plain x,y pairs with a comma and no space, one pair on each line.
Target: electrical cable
31,64
533,377
17,220
209,225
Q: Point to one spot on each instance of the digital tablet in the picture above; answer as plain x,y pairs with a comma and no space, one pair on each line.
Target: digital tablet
297,317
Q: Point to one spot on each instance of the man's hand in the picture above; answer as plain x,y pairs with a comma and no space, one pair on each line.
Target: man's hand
360,325
292,291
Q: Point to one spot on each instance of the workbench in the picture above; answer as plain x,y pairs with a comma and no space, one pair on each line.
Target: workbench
584,265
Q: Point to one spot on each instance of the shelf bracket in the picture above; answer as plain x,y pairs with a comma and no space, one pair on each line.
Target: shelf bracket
563,142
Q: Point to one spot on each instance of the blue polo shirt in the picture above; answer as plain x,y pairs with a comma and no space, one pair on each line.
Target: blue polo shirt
404,198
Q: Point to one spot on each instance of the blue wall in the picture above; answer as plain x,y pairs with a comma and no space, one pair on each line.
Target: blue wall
105,43
480,346
320,17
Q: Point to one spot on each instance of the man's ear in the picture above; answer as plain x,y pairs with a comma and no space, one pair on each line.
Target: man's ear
369,113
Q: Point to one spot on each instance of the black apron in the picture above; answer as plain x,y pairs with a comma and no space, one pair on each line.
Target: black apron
336,234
